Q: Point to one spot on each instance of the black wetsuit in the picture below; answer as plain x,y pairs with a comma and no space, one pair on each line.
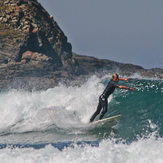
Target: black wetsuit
103,103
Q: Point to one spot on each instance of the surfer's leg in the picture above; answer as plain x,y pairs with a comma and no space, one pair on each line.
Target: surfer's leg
104,110
99,107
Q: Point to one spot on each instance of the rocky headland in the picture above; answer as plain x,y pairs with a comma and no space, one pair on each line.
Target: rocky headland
35,54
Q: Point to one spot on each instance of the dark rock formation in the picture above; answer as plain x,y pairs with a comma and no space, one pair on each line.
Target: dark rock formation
32,44
102,66
35,54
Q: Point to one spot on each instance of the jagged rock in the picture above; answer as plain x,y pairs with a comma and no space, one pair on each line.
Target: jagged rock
30,37
28,27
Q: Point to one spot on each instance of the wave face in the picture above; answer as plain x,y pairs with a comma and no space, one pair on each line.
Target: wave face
52,125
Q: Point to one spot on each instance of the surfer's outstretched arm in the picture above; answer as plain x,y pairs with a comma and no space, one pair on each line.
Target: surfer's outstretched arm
124,87
125,79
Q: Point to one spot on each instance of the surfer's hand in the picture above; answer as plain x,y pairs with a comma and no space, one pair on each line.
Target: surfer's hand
132,89
126,79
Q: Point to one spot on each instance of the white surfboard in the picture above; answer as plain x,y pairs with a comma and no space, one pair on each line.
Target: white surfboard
107,122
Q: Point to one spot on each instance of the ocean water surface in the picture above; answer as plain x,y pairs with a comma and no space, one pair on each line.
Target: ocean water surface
52,126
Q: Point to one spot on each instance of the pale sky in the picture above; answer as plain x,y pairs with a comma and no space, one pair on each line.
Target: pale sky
126,31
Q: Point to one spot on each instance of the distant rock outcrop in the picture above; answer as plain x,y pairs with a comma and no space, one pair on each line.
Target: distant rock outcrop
35,54
103,66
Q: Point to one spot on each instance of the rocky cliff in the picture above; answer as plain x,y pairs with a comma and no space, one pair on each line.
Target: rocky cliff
32,44
35,54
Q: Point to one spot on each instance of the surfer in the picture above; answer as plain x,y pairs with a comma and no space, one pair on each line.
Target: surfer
103,103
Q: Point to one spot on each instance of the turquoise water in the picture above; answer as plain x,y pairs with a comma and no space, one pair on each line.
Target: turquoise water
142,110
52,125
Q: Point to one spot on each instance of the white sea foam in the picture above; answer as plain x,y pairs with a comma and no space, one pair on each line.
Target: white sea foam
142,151
23,111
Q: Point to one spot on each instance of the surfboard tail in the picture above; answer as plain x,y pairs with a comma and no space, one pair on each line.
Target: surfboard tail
108,122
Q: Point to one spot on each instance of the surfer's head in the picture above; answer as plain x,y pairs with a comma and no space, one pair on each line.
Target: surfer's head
115,77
